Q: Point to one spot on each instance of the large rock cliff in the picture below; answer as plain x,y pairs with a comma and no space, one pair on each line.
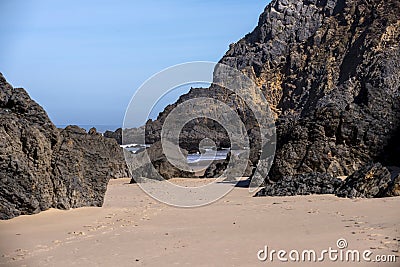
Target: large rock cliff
330,71
43,167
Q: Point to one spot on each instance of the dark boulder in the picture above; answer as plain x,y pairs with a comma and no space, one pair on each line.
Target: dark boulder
28,138
83,165
329,70
218,167
302,184
117,135
153,164
215,169
394,187
370,181
42,167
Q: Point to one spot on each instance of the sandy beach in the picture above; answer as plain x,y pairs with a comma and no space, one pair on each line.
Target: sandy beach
133,229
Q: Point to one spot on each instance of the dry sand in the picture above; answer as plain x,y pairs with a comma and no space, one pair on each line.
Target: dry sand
133,229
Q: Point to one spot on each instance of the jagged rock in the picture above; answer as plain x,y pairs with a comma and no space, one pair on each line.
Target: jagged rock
159,168
199,129
105,155
394,187
372,180
41,167
129,136
218,167
302,184
27,141
117,135
329,70
84,164
93,131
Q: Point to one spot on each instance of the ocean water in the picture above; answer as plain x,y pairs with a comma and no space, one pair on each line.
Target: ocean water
219,155
99,128
209,155
134,147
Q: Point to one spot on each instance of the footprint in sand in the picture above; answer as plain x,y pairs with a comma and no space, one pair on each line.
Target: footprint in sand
80,233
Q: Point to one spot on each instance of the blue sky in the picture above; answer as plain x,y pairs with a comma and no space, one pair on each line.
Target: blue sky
83,60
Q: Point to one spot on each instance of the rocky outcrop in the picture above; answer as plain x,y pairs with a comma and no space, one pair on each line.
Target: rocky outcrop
302,184
152,163
394,187
42,167
197,129
218,167
117,135
329,70
372,180
84,162
27,141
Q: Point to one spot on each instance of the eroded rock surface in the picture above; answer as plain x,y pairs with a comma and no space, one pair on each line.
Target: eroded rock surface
329,70
153,164
372,180
43,167
302,184
330,73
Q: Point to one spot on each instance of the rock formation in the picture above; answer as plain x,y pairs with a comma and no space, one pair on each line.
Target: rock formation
42,167
152,163
117,135
328,68
218,167
330,72
302,184
373,180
